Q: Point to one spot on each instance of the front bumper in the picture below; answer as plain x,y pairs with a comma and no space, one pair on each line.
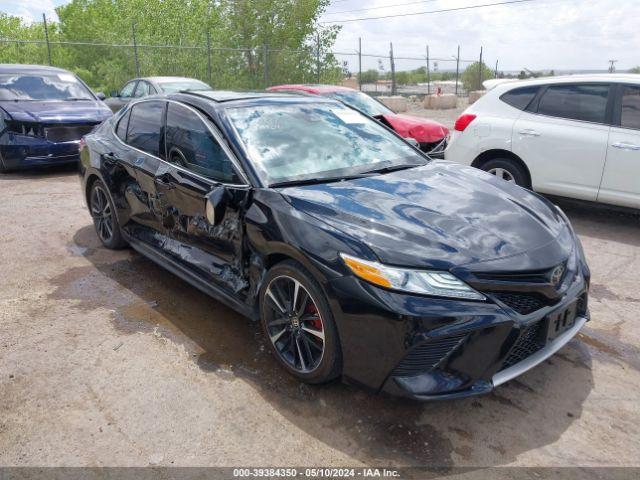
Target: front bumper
429,348
21,152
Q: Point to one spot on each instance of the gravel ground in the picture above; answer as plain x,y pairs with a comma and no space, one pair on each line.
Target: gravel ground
109,360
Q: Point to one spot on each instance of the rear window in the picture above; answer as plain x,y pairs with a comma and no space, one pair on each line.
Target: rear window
121,129
145,124
576,102
630,108
520,98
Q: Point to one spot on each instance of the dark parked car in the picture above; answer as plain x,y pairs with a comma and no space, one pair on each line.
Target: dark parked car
359,256
142,87
430,135
44,111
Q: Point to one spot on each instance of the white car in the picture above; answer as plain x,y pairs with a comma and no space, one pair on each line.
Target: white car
575,136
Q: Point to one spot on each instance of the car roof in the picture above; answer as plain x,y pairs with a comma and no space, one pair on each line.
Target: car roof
509,84
312,88
162,79
20,68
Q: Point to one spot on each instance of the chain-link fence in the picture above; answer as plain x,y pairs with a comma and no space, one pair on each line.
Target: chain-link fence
106,67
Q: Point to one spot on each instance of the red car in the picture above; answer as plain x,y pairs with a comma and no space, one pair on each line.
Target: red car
430,135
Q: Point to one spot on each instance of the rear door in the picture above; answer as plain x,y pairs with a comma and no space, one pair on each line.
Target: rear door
563,139
621,178
200,162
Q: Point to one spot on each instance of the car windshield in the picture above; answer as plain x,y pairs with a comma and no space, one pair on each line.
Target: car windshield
50,86
316,141
174,86
361,101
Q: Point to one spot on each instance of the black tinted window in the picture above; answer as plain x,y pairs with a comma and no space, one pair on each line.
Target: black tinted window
145,125
121,129
577,102
630,107
520,97
191,145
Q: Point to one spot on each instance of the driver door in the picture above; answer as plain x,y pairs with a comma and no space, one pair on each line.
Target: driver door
197,164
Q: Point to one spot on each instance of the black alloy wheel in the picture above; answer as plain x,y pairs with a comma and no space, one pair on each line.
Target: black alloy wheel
104,217
299,324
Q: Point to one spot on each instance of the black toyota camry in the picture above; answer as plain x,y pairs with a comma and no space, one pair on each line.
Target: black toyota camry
360,257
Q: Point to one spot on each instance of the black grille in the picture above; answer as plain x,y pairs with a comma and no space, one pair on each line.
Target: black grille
524,304
531,339
67,133
426,356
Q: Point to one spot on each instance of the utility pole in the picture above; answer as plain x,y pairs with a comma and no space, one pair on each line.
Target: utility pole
457,69
360,63
496,71
480,71
46,37
612,66
393,70
135,48
428,73
318,57
209,56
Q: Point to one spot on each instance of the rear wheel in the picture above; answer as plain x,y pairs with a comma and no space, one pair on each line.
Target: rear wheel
298,324
508,170
104,217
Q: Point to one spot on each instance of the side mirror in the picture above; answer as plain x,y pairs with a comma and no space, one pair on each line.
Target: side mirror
413,142
216,204
101,96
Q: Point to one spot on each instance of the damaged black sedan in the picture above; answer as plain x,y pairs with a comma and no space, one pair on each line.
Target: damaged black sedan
360,257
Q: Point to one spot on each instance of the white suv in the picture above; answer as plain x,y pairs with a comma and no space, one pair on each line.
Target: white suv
575,136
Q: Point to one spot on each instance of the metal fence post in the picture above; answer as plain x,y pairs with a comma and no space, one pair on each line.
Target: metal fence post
360,63
209,57
428,73
135,48
393,69
266,65
480,71
318,57
457,70
496,72
46,37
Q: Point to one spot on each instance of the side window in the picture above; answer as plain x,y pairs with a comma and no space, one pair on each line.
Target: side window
127,90
520,98
630,117
142,90
577,102
145,126
121,128
190,144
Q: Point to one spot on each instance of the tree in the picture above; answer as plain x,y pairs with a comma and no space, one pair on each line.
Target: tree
634,70
369,76
474,75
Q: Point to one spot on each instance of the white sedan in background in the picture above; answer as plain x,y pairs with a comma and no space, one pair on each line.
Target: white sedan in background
575,136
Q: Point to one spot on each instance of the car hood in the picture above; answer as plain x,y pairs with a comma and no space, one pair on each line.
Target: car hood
442,216
56,111
421,129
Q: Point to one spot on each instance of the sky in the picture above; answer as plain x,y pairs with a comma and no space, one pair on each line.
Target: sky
540,34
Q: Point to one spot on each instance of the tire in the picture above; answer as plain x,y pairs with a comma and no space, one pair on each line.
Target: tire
296,344
104,216
508,170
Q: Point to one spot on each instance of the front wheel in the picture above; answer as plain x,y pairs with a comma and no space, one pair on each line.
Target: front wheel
508,170
299,325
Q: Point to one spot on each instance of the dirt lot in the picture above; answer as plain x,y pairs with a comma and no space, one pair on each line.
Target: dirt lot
107,359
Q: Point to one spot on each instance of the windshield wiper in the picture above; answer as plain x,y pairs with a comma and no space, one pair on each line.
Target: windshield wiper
315,181
393,168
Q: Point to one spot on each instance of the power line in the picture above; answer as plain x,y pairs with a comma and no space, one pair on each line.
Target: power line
380,8
470,7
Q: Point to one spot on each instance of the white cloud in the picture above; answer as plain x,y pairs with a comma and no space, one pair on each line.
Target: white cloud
31,11
543,34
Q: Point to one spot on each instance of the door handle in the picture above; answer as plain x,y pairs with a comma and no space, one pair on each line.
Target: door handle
626,146
166,184
529,132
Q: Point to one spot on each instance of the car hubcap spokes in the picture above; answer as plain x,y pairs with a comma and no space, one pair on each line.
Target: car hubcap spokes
294,324
503,174
102,214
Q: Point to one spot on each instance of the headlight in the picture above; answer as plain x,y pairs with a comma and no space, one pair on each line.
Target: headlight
424,282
